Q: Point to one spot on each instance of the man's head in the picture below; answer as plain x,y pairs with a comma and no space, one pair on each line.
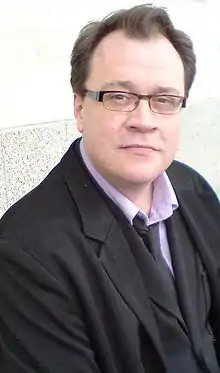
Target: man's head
131,140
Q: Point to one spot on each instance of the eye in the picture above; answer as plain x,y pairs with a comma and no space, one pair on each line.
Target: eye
167,100
164,100
120,97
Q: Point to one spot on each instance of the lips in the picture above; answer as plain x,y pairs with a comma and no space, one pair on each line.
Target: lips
139,146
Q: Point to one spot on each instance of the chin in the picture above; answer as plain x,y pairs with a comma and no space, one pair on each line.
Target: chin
144,174
140,178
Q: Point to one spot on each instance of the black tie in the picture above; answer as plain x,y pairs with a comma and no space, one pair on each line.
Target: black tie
151,239
150,236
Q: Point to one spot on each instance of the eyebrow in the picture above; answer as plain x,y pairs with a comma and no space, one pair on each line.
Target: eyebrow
127,84
165,89
119,83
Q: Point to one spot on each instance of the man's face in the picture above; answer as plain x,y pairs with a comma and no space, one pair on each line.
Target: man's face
131,148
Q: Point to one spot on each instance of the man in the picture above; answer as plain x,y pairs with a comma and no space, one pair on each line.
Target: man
112,264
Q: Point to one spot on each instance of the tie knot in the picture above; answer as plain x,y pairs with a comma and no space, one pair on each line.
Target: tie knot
149,234
140,225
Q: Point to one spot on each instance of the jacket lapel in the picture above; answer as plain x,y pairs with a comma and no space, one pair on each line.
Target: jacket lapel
120,265
186,260
205,235
184,265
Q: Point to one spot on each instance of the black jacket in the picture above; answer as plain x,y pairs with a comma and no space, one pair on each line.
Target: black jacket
71,297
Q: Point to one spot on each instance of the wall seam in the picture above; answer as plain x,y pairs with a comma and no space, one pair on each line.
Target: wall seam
4,169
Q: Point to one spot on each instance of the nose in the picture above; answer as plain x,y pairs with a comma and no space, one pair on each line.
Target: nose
142,118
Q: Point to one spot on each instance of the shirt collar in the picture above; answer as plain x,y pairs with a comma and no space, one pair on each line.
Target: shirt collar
164,200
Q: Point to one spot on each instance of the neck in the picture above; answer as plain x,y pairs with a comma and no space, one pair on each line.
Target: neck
140,196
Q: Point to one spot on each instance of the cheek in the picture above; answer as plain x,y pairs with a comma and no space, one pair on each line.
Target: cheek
99,131
102,123
171,134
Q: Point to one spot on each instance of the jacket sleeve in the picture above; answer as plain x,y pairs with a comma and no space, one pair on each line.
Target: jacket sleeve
41,327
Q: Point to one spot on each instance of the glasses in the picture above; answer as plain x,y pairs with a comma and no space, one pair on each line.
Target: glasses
128,102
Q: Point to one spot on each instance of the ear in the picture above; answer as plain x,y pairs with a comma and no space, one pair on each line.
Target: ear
78,112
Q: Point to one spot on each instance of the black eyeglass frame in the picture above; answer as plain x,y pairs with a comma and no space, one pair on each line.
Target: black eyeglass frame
99,95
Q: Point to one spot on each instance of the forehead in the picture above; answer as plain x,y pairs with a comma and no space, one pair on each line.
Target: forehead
145,63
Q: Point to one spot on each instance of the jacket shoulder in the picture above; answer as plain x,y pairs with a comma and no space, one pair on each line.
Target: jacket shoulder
185,178
39,211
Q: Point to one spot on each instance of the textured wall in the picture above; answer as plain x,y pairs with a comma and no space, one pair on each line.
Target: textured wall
27,154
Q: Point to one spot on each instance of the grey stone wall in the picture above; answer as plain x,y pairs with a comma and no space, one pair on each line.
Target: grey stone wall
28,153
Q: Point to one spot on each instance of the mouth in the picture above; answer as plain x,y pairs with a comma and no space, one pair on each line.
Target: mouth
139,146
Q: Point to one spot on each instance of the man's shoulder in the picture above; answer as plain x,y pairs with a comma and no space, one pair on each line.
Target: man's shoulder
43,206
185,178
34,206
44,224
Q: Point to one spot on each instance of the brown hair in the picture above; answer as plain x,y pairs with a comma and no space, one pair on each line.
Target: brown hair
139,22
